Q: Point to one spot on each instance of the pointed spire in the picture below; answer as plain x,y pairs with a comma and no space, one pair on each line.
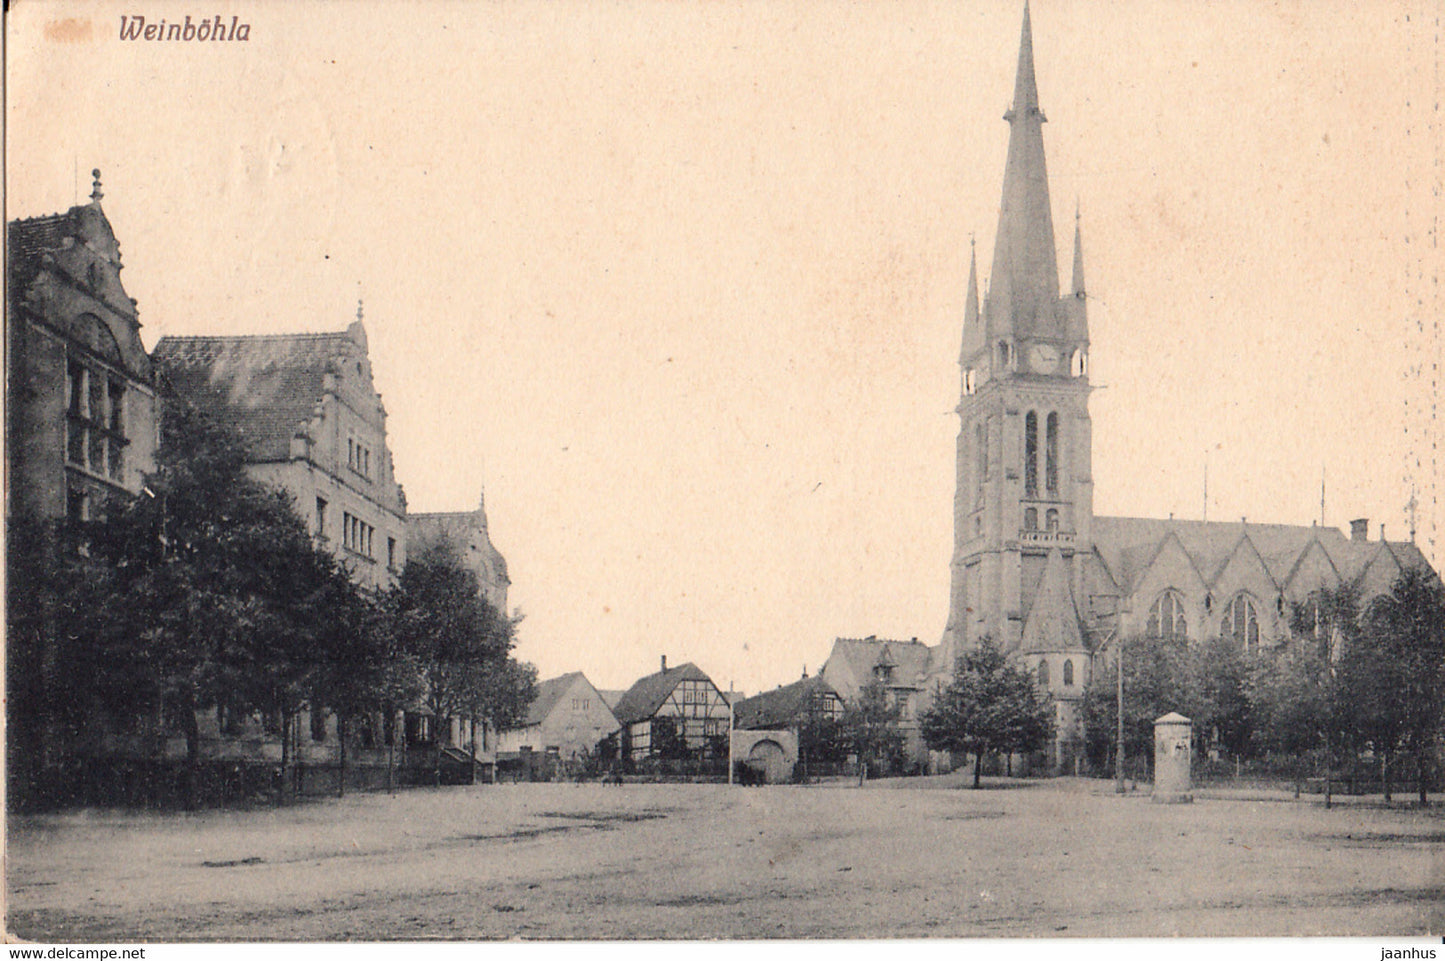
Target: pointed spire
1078,285
1026,90
95,193
973,339
1024,282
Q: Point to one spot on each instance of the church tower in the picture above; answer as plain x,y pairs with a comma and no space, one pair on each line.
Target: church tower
1023,506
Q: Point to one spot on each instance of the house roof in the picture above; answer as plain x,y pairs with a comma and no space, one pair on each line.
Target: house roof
1129,545
643,698
465,530
549,692
264,387
611,698
780,707
27,242
910,659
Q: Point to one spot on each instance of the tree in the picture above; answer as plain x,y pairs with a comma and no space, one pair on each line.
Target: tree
1289,695
459,642
1214,694
1403,640
1155,673
208,586
871,726
989,705
822,737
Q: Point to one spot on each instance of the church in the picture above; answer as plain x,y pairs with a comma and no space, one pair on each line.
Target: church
1033,567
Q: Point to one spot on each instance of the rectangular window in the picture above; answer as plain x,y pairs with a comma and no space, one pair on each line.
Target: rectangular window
321,516
391,552
96,450
76,375
96,411
117,407
117,458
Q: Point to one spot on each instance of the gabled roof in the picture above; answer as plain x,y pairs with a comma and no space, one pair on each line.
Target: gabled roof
465,530
549,692
909,659
265,387
782,707
644,698
1129,545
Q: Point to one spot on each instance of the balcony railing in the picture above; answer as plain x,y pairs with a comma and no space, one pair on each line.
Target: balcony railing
1061,538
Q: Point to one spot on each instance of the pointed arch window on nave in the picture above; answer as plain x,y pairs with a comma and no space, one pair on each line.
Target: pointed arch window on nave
1166,617
1241,623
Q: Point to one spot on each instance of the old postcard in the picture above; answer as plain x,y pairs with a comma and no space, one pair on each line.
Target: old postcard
723,470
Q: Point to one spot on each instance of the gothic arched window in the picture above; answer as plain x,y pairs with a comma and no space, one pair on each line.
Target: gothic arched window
1051,454
1051,521
1166,617
1068,673
1031,518
1031,454
1044,673
1241,623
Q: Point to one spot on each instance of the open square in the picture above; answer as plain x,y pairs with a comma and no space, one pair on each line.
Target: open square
1060,858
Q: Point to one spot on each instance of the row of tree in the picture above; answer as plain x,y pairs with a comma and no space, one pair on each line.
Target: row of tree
1345,681
208,592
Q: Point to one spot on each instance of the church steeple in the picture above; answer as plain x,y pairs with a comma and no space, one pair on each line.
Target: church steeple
973,339
1078,285
1024,283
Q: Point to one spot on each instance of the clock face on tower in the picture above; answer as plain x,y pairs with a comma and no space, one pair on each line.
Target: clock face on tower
1044,358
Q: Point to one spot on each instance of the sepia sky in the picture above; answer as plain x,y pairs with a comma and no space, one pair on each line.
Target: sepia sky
682,283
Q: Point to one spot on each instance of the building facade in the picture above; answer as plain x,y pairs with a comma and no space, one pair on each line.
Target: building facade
566,719
1033,568
682,700
465,534
81,416
313,425
81,429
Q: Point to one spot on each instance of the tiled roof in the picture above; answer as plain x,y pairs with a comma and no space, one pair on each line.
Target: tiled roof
644,698
1129,544
461,528
910,659
28,240
265,387
549,692
781,707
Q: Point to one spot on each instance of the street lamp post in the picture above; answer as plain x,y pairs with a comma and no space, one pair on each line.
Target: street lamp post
1119,712
730,733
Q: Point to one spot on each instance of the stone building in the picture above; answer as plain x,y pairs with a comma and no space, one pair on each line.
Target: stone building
903,668
313,425
81,429
566,719
465,534
1033,568
81,419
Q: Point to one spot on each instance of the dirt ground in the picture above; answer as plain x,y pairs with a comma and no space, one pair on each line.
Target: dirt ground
1046,858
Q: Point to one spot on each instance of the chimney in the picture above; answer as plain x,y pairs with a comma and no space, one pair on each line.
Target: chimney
1360,529
664,663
